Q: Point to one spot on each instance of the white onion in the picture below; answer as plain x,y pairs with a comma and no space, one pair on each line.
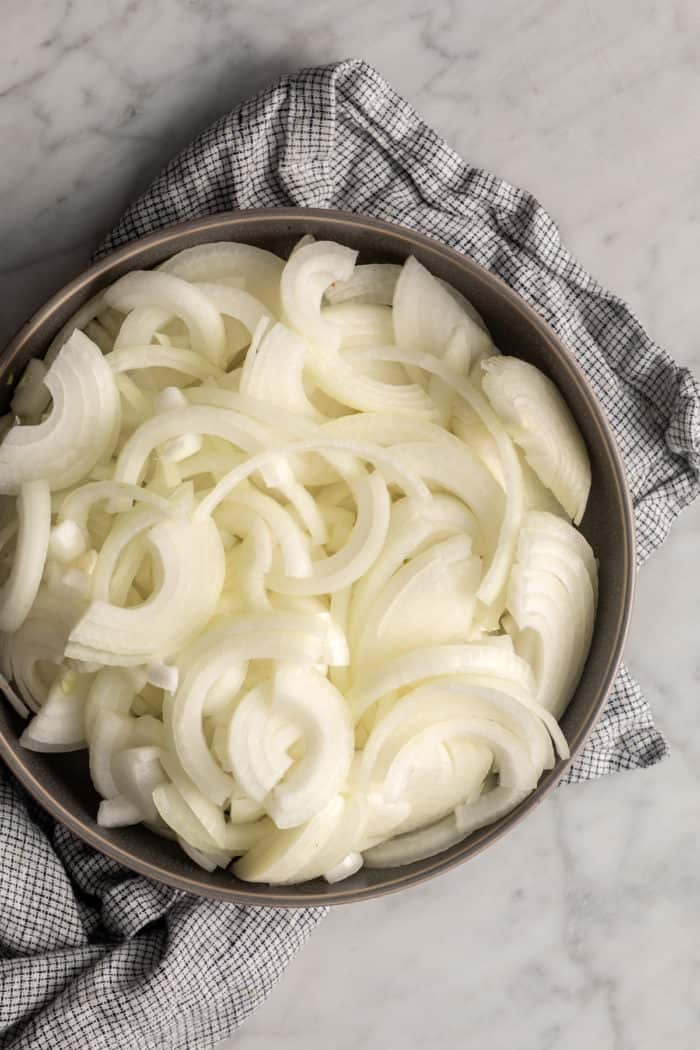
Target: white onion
371,283
426,315
137,358
66,541
192,565
360,325
416,845
175,296
275,636
274,558
362,549
280,856
141,325
309,701
117,813
349,865
552,598
110,734
80,430
289,536
481,660
274,371
220,262
537,418
433,594
494,580
58,725
19,592
309,271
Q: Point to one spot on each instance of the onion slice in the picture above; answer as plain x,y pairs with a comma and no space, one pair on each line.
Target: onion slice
192,566
426,315
537,418
18,593
175,296
80,430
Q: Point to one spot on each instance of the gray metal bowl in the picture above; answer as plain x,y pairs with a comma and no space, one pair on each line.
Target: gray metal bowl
61,783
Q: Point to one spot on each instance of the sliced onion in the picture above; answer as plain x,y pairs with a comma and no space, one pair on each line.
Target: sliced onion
348,385
141,325
178,297
416,845
176,810
79,320
106,585
342,569
18,593
81,429
487,809
192,566
163,676
397,474
552,599
232,302
33,655
493,583
413,527
289,536
275,636
433,662
432,595
110,734
233,838
304,600
241,431
209,861
308,700
178,816
117,813
77,506
307,274
349,865
278,857
338,858
284,424
249,564
67,541
361,325
369,283
426,315
58,725
537,418
515,736
133,359
461,474
274,371
112,689
220,262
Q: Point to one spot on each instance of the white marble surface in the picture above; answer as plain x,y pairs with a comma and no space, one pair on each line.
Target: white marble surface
581,928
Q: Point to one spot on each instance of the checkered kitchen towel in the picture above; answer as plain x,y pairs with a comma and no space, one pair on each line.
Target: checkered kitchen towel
94,957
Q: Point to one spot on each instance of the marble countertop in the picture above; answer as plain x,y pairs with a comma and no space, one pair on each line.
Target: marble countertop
580,928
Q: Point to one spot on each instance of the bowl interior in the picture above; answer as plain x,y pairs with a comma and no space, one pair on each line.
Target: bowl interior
61,782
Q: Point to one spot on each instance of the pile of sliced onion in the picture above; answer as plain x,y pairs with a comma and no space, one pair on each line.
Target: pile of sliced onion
288,547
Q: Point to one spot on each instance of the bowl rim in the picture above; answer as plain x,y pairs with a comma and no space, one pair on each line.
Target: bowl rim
276,896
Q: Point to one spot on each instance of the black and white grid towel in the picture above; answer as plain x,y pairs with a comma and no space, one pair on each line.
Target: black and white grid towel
94,957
